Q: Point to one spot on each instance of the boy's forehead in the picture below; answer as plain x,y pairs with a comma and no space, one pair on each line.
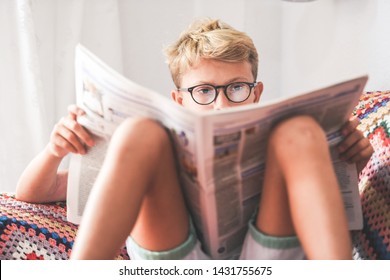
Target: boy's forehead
215,71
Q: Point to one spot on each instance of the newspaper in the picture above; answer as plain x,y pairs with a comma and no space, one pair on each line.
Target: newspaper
221,153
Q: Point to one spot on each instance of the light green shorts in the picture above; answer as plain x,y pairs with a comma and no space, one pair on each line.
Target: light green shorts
257,246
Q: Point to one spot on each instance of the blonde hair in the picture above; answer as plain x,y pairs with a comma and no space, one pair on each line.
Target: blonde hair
209,39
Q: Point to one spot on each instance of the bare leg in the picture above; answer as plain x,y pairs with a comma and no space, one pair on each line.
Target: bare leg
301,194
136,191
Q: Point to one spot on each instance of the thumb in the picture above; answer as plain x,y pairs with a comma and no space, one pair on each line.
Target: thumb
75,111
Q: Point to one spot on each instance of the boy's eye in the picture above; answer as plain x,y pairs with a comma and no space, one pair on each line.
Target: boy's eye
204,90
236,87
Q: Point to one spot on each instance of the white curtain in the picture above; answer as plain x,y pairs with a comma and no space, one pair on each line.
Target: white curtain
36,69
301,46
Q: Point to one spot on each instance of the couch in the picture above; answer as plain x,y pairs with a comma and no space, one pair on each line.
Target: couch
41,231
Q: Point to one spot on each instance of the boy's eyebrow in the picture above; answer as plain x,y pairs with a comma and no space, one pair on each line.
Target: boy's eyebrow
237,79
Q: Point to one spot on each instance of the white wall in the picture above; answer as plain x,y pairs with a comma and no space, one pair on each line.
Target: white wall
379,48
324,42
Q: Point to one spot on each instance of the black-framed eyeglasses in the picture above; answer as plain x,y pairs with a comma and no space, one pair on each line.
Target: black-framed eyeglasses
206,94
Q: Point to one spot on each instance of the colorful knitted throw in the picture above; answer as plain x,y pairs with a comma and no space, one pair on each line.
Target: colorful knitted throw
373,242
41,231
36,231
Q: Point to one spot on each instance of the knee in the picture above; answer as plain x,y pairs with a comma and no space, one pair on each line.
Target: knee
297,133
141,133
143,127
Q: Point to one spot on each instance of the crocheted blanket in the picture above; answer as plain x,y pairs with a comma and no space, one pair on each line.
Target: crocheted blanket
373,242
36,231
41,231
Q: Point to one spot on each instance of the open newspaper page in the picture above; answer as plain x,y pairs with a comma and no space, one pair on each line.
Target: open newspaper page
221,154
233,152
108,99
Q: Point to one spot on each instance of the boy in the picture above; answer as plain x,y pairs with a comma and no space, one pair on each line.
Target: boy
137,193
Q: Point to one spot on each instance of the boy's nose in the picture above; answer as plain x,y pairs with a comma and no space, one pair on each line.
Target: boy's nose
221,101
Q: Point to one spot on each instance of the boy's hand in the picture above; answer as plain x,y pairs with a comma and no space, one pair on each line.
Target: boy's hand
69,136
355,148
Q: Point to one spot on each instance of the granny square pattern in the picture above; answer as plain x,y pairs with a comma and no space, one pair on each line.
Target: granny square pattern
37,231
373,242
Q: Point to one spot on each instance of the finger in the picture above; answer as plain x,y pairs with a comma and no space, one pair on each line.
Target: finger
71,138
355,152
350,126
366,154
350,140
79,131
363,154
60,144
